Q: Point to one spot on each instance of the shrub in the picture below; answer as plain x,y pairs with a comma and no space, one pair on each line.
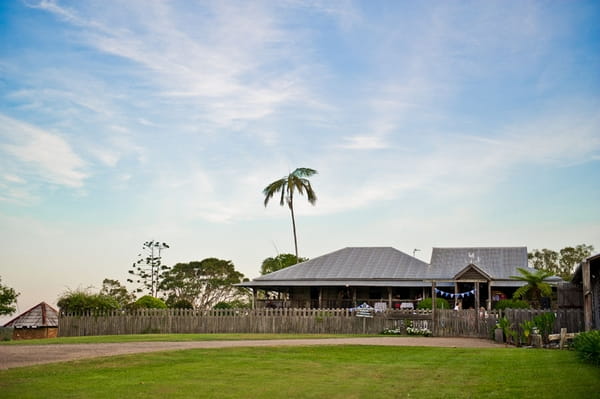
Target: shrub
545,323
587,347
510,334
235,304
181,304
440,303
83,301
511,304
149,302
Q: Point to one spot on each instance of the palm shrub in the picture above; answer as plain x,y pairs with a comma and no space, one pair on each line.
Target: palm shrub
440,303
526,329
507,329
587,346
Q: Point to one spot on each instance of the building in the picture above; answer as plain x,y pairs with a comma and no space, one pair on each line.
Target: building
41,321
587,275
389,278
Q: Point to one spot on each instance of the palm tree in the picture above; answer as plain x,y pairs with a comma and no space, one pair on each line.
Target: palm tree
287,185
536,287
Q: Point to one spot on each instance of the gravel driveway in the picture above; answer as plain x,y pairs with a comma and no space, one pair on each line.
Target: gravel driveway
27,355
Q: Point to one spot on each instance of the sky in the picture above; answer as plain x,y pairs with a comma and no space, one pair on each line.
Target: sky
431,124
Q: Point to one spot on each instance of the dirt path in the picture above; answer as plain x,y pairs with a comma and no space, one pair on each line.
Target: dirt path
27,355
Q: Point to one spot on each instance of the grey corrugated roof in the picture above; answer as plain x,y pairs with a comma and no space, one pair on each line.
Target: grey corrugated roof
41,315
343,283
387,266
354,263
498,262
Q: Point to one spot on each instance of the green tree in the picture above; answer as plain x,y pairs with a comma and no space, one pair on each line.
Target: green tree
287,185
279,262
116,290
561,263
84,301
8,299
203,283
536,287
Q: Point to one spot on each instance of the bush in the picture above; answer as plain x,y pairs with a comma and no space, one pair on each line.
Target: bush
511,304
235,304
440,303
181,304
149,302
587,347
83,301
545,324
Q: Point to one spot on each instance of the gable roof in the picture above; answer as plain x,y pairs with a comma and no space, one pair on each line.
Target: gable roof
497,262
41,315
351,264
471,271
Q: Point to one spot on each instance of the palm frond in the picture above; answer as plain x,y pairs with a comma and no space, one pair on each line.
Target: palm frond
304,172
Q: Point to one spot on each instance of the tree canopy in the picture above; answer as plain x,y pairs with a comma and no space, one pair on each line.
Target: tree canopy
561,263
288,185
202,283
281,261
8,299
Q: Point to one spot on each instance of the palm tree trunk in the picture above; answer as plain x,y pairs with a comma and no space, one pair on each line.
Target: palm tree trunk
291,205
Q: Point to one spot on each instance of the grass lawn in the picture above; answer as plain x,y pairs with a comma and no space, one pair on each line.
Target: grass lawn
101,339
313,372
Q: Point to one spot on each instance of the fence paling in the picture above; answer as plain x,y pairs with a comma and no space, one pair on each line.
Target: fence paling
450,323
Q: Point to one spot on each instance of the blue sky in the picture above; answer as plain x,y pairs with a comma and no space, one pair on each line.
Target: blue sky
430,123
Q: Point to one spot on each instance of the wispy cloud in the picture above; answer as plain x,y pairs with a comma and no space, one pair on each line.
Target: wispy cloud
42,153
227,64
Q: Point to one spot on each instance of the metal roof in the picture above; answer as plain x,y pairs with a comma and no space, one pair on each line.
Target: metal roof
498,262
354,263
41,315
389,267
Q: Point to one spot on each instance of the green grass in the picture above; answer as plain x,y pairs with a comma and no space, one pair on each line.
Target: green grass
101,339
313,372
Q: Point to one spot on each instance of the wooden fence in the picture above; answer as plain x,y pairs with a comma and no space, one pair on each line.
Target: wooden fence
465,323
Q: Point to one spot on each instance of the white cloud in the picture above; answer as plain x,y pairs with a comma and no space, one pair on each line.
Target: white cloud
50,155
364,143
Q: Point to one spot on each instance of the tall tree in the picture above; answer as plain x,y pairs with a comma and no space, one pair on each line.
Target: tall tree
288,185
149,268
279,262
561,263
536,287
8,300
203,283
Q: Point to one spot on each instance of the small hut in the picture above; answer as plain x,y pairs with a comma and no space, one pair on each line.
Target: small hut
41,321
